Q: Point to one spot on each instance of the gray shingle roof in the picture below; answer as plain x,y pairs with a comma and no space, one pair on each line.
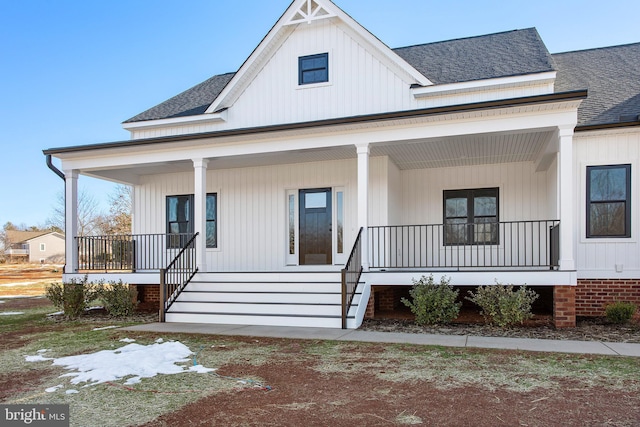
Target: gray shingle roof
191,102
505,54
612,77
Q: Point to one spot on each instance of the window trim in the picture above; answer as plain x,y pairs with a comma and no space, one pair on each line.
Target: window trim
470,235
627,201
301,70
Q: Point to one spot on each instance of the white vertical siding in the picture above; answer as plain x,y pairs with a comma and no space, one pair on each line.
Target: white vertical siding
252,208
597,258
522,191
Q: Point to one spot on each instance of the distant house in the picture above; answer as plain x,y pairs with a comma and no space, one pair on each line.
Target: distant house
309,187
35,247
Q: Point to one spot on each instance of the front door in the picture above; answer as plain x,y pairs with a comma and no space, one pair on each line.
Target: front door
315,226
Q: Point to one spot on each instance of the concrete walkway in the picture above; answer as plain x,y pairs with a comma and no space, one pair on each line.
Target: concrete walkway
468,341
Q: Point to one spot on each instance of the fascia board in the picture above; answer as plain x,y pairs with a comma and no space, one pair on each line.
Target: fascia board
487,84
177,121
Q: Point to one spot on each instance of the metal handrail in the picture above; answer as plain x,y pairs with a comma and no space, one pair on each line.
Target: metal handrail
509,244
177,275
351,274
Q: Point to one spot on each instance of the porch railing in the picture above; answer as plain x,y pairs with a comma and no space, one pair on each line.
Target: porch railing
134,252
350,277
177,275
506,245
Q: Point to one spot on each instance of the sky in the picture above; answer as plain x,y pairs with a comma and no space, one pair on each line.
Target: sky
72,71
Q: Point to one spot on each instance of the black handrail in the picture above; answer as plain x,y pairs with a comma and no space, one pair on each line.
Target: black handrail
510,244
177,275
351,274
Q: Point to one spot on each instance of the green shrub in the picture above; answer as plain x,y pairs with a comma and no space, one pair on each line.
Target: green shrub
620,311
504,305
433,303
72,297
119,299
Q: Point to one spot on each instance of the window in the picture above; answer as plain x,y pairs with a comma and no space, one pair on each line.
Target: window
471,217
180,220
609,201
313,69
43,247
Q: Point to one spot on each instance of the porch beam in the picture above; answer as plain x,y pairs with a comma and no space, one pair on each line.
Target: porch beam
71,220
200,211
363,200
565,195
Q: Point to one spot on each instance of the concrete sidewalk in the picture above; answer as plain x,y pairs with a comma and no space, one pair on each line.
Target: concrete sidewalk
556,346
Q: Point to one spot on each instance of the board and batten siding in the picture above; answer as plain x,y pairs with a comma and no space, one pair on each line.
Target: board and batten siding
252,207
360,82
597,257
522,196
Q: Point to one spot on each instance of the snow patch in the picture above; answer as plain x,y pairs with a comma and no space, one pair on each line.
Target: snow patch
127,340
104,328
11,313
54,388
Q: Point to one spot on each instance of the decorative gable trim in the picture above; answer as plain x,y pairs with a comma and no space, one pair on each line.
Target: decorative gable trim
308,11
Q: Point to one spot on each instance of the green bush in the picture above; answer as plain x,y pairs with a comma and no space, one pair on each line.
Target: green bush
620,311
433,303
504,305
119,299
72,297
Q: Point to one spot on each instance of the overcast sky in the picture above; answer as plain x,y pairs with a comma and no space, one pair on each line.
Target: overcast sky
73,71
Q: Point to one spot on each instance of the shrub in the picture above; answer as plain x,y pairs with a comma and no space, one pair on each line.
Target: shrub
504,305
119,299
433,303
72,297
620,312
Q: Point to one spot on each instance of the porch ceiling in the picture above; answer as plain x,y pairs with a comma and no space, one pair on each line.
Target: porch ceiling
465,150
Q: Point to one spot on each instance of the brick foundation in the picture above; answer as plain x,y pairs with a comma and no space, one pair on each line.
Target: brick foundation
564,306
148,293
593,295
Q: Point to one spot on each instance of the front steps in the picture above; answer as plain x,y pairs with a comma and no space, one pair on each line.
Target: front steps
300,299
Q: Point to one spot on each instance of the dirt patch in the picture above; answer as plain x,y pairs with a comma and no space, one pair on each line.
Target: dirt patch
301,395
17,383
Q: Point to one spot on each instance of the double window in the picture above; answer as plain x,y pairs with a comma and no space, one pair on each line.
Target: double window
180,220
313,69
609,201
471,217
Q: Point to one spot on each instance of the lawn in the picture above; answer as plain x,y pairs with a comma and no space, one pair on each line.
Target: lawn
263,381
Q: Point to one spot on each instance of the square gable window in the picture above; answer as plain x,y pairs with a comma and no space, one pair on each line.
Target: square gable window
313,69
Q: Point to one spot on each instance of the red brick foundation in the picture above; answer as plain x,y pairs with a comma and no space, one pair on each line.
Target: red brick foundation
593,295
564,306
148,293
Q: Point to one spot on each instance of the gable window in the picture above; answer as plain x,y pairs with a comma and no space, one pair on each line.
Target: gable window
609,201
43,247
180,220
313,69
471,217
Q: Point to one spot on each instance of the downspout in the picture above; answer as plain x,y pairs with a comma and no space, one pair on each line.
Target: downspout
58,172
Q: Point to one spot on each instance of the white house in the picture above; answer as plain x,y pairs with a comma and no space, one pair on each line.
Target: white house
483,159
35,246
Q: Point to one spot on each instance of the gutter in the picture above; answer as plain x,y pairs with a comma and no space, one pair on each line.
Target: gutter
57,171
515,102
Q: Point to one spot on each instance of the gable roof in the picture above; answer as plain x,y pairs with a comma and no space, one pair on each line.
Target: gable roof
490,56
15,236
503,54
612,77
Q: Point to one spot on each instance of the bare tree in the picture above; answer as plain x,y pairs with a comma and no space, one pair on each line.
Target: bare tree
90,219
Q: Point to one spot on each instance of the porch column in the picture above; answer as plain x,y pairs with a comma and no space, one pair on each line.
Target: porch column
363,201
200,211
71,221
566,198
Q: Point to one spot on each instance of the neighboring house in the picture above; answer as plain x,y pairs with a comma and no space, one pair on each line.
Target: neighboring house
482,159
35,246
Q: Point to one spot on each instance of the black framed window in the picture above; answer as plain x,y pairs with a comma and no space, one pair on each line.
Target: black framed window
180,220
609,201
313,69
471,217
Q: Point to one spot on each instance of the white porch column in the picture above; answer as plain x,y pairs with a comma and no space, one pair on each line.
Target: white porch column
363,201
200,211
71,220
566,198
